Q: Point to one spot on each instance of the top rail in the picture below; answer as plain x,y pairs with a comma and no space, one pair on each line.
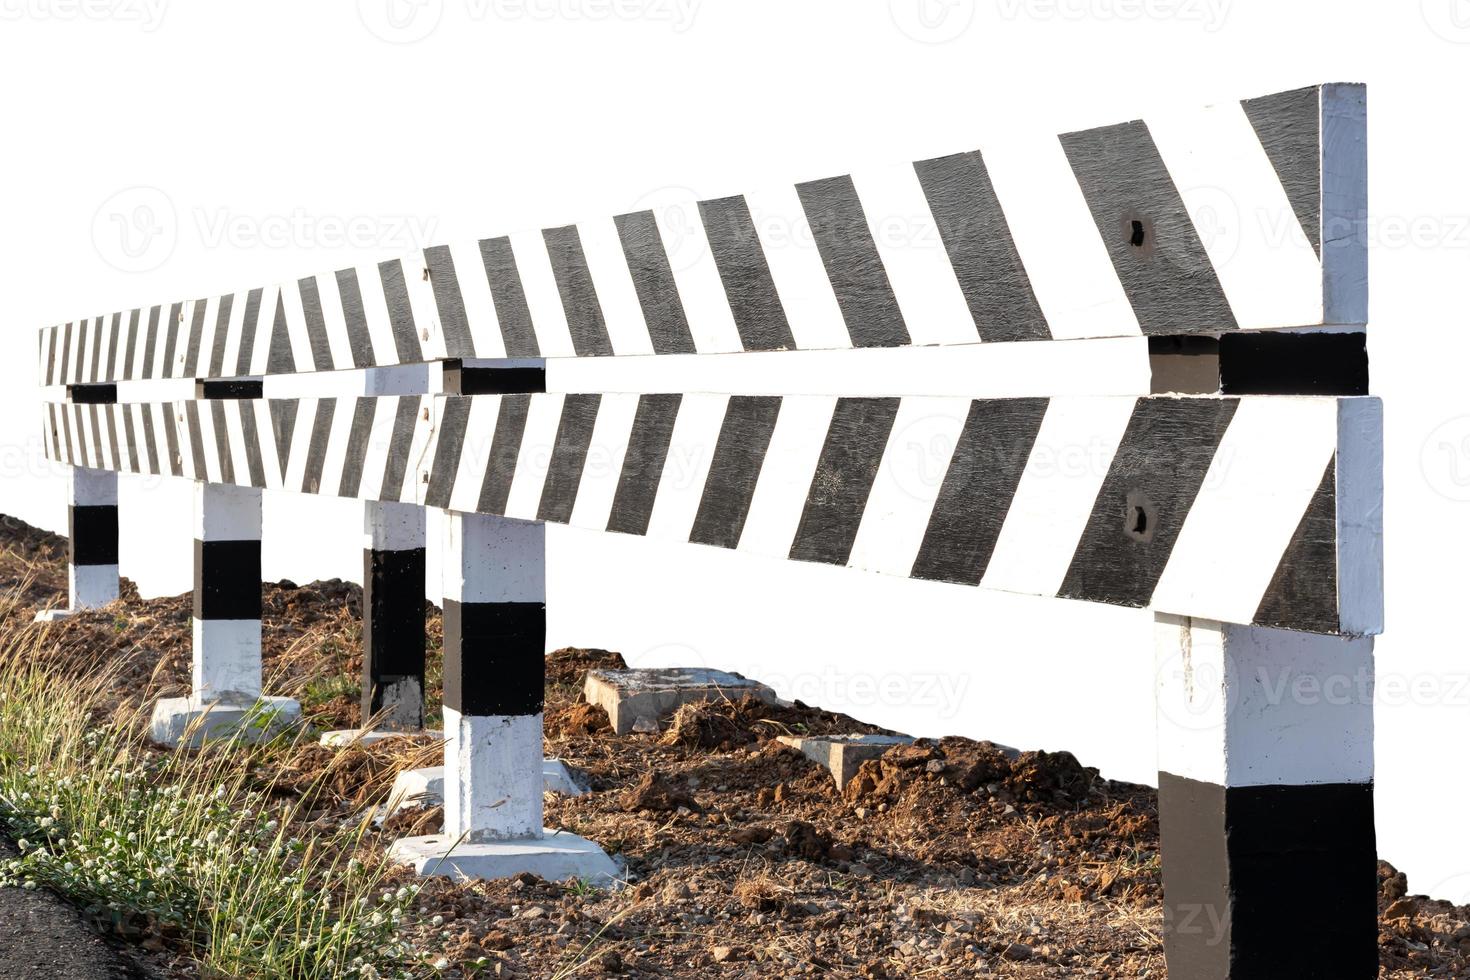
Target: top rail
1243,216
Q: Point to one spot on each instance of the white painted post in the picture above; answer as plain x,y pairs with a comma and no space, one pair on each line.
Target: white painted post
1265,741
92,527
227,593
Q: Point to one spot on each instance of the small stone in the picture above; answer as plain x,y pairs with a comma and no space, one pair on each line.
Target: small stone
1016,952
534,912
645,725
1402,909
721,953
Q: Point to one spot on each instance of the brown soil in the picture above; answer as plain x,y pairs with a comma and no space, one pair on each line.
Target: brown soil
942,859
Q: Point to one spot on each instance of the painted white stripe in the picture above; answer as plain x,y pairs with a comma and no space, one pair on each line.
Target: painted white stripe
706,307
1254,495
490,559
296,326
235,432
474,457
1360,514
84,348
206,338
691,449
796,268
608,266
380,438
605,455
93,488
534,459
920,446
162,412
234,328
786,474
335,320
264,325
1064,256
913,253
479,305
266,435
375,311
548,318
160,344
337,443
209,443
1267,267
424,427
1074,448
140,342
428,329
300,441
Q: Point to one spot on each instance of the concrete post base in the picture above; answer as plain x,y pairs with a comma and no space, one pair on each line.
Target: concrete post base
555,857
425,787
54,615
190,722
343,737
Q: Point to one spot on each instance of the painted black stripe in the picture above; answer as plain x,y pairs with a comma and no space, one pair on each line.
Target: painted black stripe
393,616
171,338
131,438
109,413
81,362
248,330
400,312
92,394
745,435
222,442
578,294
1150,237
93,534
989,459
850,256
1277,363
1289,126
111,369
196,440
150,341
749,288
280,359
460,380
458,341
844,478
196,337
643,465
132,346
283,427
227,579
1236,862
1303,590
505,447
316,324
51,356
653,280
357,443
510,298
71,456
171,438
447,450
251,435
494,657
568,458
358,337
62,377
229,389
398,447
96,350
150,442
978,242
316,450
96,424
216,366
1150,487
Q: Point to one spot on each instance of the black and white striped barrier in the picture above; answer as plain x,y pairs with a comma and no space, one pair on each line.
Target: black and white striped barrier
1241,503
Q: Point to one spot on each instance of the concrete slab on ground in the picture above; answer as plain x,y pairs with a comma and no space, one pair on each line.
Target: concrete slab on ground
649,694
555,857
843,754
188,721
342,737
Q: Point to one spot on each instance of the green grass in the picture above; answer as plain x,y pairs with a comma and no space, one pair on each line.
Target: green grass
182,846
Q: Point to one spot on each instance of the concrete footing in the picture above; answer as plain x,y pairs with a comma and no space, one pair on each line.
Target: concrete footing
555,857
843,754
425,787
190,722
343,737
629,696
54,615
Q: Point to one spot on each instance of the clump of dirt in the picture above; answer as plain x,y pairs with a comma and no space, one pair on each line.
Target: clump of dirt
657,793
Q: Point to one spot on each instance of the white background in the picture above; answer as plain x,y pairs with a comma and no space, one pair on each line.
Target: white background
156,151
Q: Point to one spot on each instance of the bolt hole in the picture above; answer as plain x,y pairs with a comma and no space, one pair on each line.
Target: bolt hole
1135,238
1140,521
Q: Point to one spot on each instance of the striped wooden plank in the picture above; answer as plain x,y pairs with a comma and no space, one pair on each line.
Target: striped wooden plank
1255,510
1243,216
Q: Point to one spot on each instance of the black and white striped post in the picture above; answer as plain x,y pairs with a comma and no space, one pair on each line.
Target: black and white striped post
92,562
226,696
